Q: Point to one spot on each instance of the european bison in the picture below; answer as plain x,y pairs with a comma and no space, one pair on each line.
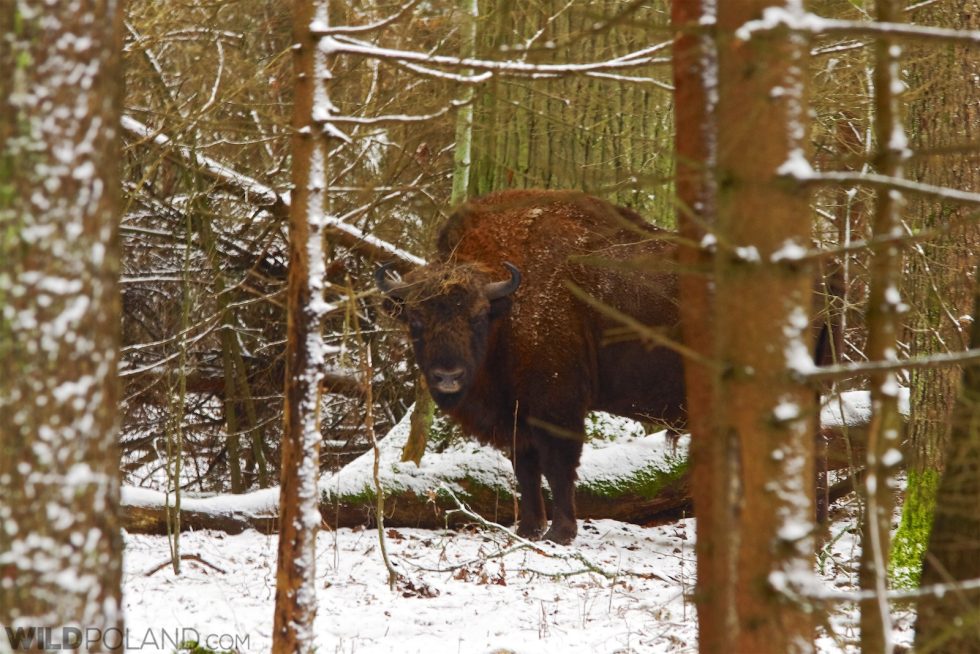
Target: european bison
514,356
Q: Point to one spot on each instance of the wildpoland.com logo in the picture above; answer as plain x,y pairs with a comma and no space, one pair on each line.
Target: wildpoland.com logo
84,638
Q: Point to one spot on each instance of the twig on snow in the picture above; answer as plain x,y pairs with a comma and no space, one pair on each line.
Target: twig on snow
521,543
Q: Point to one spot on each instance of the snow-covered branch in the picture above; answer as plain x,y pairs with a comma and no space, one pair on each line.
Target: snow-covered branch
888,182
864,368
779,18
252,187
635,59
807,591
345,234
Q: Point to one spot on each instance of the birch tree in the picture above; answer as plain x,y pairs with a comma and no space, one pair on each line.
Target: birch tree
60,545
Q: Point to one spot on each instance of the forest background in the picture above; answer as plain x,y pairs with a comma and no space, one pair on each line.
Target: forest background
430,103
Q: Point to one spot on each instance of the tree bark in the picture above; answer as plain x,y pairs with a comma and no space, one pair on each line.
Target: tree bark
761,327
883,321
60,545
943,119
951,623
295,608
694,57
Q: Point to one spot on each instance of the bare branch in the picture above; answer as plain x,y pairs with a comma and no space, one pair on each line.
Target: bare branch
515,68
252,190
778,18
885,181
865,368
400,118
318,29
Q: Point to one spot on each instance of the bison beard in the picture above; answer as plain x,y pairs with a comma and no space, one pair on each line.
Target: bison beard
519,362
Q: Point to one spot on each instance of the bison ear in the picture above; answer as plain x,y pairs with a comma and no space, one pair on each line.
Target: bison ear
500,307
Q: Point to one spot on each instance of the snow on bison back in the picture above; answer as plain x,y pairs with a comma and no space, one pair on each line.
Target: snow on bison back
513,354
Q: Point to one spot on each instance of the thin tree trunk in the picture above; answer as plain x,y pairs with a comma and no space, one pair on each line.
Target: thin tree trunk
883,321
424,410
463,151
295,610
60,544
228,345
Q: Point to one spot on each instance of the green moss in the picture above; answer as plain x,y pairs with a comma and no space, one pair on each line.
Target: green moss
912,537
470,487
646,482
443,433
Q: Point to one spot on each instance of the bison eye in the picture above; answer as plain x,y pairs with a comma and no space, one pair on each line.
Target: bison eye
415,324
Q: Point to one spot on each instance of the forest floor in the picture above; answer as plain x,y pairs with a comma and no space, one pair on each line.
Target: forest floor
460,592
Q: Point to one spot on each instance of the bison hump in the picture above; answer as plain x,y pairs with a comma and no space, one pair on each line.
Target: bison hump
510,225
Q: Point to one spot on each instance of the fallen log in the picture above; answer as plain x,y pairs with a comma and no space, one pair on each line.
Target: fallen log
634,478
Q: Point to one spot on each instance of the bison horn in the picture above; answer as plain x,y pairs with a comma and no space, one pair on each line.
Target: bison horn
497,290
387,286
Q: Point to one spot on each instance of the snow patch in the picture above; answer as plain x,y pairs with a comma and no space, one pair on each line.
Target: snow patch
796,166
789,251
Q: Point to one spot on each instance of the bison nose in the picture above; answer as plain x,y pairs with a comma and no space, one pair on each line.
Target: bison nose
448,381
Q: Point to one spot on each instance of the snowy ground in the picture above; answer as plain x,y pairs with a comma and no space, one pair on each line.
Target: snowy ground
461,597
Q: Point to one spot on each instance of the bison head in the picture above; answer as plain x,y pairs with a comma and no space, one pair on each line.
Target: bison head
449,310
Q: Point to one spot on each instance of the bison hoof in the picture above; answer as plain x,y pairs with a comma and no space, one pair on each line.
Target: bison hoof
530,532
562,534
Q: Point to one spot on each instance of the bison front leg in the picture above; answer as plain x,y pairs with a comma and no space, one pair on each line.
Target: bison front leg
559,459
527,468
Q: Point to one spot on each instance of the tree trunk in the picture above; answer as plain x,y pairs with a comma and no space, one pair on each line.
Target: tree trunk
295,610
406,507
951,623
60,545
883,321
694,56
463,148
944,118
761,325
